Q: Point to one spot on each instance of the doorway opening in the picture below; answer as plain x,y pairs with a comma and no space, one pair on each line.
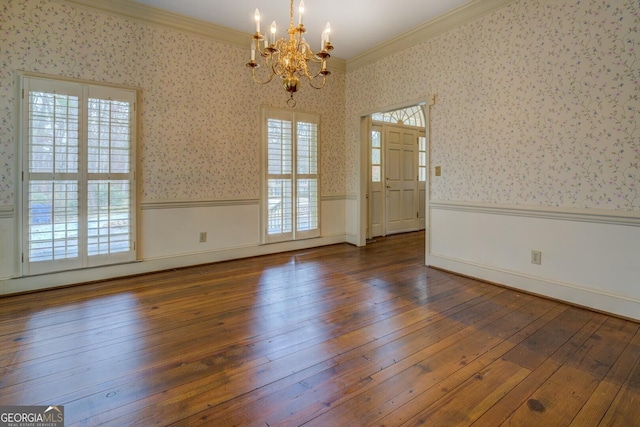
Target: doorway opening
397,172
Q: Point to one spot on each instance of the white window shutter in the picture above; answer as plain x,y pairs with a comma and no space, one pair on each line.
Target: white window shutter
291,197
78,191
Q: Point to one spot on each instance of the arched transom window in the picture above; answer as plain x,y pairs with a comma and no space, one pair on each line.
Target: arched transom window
410,116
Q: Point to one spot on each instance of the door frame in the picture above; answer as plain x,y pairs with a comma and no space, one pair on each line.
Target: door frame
378,192
363,201
377,187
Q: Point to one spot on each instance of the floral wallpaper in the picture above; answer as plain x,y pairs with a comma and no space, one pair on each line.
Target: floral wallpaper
537,104
200,111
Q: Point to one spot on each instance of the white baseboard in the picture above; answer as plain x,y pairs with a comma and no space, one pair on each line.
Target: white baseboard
352,239
66,278
591,298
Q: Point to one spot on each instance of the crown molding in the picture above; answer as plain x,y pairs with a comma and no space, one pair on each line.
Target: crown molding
153,15
149,14
427,30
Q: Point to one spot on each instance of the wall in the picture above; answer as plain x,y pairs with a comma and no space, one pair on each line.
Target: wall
535,127
199,132
589,257
536,111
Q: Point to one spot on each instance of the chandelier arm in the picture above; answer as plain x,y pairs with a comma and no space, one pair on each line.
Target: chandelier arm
255,79
321,72
314,59
324,81
259,39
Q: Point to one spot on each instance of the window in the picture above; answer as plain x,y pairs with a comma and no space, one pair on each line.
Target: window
410,116
376,156
78,193
291,178
422,158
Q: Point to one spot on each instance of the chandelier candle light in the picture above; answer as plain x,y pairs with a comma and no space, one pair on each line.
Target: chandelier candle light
289,59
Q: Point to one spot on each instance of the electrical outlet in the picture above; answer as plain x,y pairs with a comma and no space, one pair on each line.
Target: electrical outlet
203,236
536,257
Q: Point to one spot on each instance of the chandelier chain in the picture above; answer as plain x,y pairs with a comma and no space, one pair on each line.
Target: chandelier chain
291,14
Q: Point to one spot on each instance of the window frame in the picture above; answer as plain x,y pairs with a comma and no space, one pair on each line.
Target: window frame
295,118
84,177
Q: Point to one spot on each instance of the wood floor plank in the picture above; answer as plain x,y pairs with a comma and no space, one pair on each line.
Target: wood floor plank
435,391
354,370
376,328
624,410
559,399
600,401
477,399
336,335
421,371
204,321
354,366
499,412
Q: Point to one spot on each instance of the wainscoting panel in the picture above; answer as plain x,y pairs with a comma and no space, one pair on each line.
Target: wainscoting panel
173,229
169,237
589,258
7,242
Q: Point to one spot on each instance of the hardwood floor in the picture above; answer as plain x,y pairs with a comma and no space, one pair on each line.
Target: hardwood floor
334,336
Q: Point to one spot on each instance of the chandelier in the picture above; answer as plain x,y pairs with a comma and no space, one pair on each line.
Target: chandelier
290,59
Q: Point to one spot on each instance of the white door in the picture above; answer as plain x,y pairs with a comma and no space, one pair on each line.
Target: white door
376,190
401,180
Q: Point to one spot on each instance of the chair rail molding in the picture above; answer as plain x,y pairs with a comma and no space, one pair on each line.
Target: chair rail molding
619,217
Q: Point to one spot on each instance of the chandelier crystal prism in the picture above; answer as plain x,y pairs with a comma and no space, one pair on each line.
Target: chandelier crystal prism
290,58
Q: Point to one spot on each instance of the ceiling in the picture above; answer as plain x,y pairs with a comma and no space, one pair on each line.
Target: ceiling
356,25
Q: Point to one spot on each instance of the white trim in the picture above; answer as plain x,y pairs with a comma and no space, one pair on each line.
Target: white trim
35,75
427,30
212,203
353,239
422,100
66,278
586,297
333,198
153,15
363,184
627,218
199,203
